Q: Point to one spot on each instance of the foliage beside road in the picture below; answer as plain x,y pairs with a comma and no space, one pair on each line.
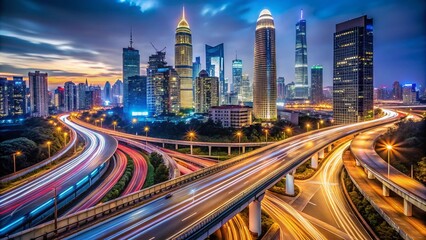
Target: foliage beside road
122,183
161,171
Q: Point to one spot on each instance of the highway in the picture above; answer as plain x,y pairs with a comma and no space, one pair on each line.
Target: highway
33,197
168,218
140,170
119,163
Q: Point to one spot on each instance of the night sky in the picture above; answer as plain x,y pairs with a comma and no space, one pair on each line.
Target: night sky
79,39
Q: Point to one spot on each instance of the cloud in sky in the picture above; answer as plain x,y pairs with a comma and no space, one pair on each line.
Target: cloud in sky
72,40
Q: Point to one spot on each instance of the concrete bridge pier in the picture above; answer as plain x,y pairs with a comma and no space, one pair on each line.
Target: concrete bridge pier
408,208
385,190
321,154
190,146
357,163
255,216
314,161
244,149
176,146
370,175
229,151
289,183
164,145
329,148
210,150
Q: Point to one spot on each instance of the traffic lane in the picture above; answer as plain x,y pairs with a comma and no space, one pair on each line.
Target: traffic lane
140,170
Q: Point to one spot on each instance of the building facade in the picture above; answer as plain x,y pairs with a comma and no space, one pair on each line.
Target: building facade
138,96
71,98
215,66
4,106
231,116
409,94
237,78
265,72
396,91
117,93
39,102
183,62
196,68
353,71
107,93
316,84
246,89
301,90
206,92
131,67
281,89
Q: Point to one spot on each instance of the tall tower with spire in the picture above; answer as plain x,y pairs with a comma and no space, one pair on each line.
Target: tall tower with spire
183,61
301,63
131,67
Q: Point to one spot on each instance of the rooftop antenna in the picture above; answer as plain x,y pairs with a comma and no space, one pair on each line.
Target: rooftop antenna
236,56
301,14
183,12
131,37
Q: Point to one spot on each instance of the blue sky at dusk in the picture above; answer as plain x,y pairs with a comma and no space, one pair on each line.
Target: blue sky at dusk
75,40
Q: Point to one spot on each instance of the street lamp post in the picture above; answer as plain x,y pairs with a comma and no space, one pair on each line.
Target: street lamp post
307,127
389,148
65,138
191,136
266,135
17,153
146,129
114,124
48,146
102,119
239,134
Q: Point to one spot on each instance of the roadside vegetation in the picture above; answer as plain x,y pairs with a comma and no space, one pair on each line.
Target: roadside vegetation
119,187
29,143
408,139
161,171
376,222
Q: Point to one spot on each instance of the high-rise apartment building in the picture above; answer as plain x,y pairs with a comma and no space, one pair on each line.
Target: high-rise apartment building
280,89
247,90
4,103
138,96
81,95
39,102
409,94
117,92
353,71
196,68
107,93
396,91
301,90
316,84
237,77
206,92
265,72
71,99
131,67
215,66
183,62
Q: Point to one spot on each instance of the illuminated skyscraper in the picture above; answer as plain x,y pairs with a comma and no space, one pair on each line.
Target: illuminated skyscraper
237,75
39,102
265,72
316,84
280,89
301,66
70,100
207,92
196,68
131,67
107,93
215,66
183,62
353,71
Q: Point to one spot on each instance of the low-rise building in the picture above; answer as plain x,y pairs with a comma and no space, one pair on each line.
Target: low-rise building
234,116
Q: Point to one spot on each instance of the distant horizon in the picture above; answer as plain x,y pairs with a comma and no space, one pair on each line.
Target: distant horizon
90,46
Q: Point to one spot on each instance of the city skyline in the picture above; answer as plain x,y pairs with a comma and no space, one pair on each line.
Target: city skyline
70,53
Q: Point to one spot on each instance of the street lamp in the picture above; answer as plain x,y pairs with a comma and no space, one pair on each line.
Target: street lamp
87,119
65,138
307,127
191,135
114,124
389,148
48,146
17,153
102,119
96,122
266,135
320,123
58,129
288,130
239,134
146,129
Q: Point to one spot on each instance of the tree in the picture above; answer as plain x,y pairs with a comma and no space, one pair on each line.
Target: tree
155,159
161,174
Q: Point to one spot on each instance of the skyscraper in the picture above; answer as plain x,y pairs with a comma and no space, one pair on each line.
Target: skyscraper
265,72
39,102
353,71
196,68
4,107
107,92
301,66
316,84
131,67
247,90
237,75
71,99
81,95
137,96
117,92
17,100
280,89
397,91
215,66
207,92
183,62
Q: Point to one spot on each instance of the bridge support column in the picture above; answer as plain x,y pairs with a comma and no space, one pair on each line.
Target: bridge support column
370,175
210,150
321,154
164,145
176,146
329,148
385,190
314,161
408,208
229,150
244,149
357,163
190,146
255,216
289,184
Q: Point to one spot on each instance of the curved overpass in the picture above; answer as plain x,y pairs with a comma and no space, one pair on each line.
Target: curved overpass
33,201
200,205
